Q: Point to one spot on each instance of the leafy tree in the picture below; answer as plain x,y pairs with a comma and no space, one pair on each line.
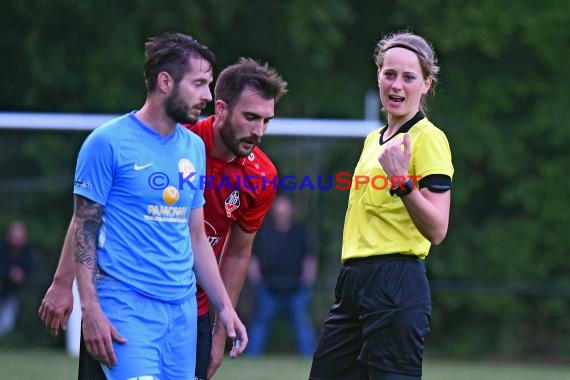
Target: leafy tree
502,272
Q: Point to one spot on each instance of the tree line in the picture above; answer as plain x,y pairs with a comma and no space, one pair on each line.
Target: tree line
502,97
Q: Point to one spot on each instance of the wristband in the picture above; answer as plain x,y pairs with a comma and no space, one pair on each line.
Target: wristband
403,189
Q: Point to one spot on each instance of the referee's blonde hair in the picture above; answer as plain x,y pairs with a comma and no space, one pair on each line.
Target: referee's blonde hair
416,44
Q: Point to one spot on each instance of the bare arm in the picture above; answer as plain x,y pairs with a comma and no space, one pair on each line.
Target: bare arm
429,212
57,304
98,332
86,222
235,260
233,269
65,273
208,275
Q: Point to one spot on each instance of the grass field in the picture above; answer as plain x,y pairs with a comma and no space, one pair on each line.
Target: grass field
56,365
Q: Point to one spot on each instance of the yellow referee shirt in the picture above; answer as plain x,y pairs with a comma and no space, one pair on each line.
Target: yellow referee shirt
376,222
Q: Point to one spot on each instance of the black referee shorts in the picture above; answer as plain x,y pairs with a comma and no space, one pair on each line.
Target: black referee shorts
379,320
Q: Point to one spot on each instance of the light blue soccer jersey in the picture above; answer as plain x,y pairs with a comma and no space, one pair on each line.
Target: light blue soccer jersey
147,184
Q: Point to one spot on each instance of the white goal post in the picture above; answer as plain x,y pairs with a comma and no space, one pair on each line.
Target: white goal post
278,126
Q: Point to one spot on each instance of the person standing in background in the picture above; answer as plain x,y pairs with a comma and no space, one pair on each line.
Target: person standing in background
17,257
283,269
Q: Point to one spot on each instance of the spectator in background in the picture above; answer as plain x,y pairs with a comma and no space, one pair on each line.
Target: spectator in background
283,268
16,263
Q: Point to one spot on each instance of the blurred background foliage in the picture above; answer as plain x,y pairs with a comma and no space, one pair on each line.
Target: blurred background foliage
501,280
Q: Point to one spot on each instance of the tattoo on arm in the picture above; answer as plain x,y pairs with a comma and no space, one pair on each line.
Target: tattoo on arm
88,216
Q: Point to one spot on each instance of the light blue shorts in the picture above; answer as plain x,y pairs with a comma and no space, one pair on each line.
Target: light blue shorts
161,337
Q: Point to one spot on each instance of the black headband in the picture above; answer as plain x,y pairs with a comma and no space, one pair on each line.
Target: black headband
404,46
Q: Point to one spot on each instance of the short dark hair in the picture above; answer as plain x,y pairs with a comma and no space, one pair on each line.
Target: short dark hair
170,52
248,73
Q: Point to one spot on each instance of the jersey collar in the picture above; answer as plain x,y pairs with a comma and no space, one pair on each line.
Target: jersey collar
403,129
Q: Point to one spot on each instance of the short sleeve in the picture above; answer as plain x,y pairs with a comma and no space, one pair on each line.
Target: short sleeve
95,168
251,220
431,154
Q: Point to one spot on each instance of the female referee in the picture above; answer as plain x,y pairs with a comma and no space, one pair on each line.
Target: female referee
380,316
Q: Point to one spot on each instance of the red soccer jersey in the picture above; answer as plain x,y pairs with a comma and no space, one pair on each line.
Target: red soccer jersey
240,191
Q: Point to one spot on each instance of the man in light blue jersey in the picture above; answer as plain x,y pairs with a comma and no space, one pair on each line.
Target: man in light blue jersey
138,225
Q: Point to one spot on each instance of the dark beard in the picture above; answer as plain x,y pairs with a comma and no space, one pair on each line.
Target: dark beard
177,110
231,142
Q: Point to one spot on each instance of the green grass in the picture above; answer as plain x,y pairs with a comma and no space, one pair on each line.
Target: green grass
56,365
37,364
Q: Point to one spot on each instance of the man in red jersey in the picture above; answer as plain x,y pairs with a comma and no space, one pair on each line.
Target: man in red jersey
239,187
